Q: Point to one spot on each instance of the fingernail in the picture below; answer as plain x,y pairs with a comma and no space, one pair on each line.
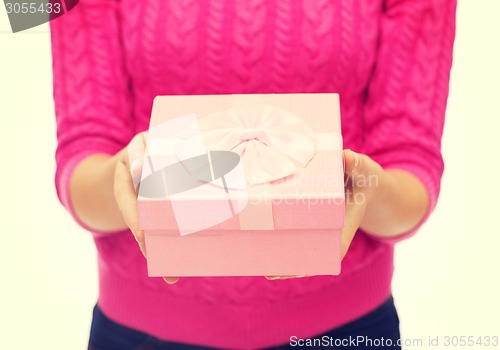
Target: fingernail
354,170
272,278
136,168
138,233
142,247
134,164
171,280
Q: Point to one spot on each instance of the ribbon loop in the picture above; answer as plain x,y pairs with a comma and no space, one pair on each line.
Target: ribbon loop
272,142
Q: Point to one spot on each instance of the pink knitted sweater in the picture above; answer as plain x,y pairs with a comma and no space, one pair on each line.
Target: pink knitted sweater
388,59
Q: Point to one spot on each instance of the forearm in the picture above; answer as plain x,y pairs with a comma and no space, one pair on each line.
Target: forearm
92,197
396,203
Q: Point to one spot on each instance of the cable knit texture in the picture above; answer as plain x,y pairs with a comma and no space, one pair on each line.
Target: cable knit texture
388,59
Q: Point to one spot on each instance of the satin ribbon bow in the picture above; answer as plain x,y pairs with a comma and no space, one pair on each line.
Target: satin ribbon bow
272,142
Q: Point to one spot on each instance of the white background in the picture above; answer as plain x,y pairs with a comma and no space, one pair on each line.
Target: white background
447,276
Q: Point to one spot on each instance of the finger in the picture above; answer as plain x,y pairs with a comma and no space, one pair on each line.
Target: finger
272,278
126,199
352,163
136,147
136,173
142,247
171,280
135,152
353,213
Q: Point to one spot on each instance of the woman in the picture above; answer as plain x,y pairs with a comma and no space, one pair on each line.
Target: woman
390,62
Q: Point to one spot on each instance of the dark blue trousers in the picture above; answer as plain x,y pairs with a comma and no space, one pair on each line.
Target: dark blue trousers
364,333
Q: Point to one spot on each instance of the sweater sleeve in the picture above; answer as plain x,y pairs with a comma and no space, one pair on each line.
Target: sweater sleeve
408,91
90,83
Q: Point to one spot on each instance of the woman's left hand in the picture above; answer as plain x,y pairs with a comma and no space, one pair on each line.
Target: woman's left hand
361,179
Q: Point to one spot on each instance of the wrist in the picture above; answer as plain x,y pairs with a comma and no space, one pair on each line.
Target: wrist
92,193
381,185
396,205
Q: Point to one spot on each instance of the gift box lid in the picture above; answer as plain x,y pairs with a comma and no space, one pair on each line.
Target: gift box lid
243,162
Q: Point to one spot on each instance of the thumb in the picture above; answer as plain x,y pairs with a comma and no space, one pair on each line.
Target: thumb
136,151
353,163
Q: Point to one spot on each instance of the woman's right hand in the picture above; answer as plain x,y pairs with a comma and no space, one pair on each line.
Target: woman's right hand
127,177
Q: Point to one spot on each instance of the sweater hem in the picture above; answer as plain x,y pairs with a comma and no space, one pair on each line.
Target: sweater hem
247,326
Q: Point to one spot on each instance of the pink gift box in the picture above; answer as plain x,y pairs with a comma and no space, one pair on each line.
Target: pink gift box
243,185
